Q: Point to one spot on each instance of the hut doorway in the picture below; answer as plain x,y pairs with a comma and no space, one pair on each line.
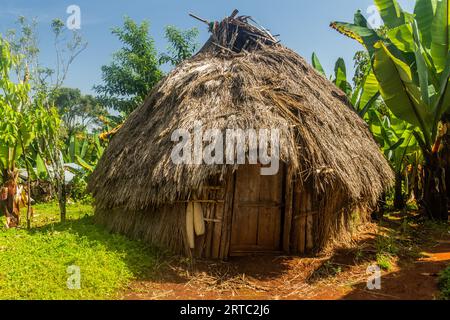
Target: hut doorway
257,220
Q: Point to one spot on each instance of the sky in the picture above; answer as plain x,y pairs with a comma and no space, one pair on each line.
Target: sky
303,26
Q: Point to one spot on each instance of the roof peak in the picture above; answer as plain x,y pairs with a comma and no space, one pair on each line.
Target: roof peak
237,34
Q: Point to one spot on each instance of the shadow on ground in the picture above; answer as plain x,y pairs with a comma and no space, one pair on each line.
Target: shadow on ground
413,281
421,250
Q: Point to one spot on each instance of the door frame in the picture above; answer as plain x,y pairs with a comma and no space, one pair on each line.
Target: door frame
285,217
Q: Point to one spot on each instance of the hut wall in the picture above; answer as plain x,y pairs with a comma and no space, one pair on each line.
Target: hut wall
305,217
310,223
217,202
163,227
322,220
318,219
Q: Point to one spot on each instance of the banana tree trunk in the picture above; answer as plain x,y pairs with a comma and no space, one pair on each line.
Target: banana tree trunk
444,154
8,204
399,200
62,193
434,188
378,214
62,200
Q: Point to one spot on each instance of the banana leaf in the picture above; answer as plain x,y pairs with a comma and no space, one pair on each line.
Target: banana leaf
399,92
340,72
316,64
424,12
421,64
402,37
440,35
84,164
370,93
363,35
360,20
391,13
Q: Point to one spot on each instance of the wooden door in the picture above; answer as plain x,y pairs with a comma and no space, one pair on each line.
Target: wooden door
257,212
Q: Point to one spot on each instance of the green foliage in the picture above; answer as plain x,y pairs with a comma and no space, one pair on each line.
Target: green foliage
33,264
386,249
78,190
317,65
18,118
340,73
77,111
395,137
340,77
384,261
362,67
134,70
387,244
444,283
44,143
410,61
182,45
85,150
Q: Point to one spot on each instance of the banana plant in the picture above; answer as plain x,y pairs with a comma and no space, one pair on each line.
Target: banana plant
83,149
363,96
17,131
410,59
398,144
340,74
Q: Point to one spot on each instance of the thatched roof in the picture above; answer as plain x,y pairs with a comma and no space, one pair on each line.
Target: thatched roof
241,78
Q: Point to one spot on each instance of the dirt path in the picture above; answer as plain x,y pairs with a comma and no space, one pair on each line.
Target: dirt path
338,276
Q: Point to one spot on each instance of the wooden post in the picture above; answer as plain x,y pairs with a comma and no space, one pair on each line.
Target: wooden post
309,222
210,212
217,232
288,210
187,249
227,217
295,220
302,218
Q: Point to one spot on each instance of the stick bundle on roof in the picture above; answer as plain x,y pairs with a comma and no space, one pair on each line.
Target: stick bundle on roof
237,34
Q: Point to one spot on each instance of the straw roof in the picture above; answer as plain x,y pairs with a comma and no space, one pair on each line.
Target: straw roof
242,78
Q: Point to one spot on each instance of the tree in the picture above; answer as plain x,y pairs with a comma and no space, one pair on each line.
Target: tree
17,131
44,83
134,70
77,111
411,62
182,45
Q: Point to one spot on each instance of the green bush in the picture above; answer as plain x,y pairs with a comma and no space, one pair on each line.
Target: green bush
444,283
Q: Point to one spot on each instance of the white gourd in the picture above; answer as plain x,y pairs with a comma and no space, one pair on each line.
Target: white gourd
199,222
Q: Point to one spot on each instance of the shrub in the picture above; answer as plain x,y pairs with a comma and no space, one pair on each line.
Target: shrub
444,283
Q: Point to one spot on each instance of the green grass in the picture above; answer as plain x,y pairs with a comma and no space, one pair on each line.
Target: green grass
444,283
387,248
384,261
33,263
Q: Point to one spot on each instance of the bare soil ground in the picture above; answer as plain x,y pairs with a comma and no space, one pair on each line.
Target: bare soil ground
417,253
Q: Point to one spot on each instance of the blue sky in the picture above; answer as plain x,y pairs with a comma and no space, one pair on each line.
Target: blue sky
302,24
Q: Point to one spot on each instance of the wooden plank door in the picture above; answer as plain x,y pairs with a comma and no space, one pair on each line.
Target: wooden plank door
257,213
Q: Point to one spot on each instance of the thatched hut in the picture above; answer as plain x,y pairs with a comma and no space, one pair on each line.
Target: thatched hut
331,169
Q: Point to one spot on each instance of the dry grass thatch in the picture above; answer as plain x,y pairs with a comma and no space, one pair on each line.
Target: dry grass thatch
241,78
